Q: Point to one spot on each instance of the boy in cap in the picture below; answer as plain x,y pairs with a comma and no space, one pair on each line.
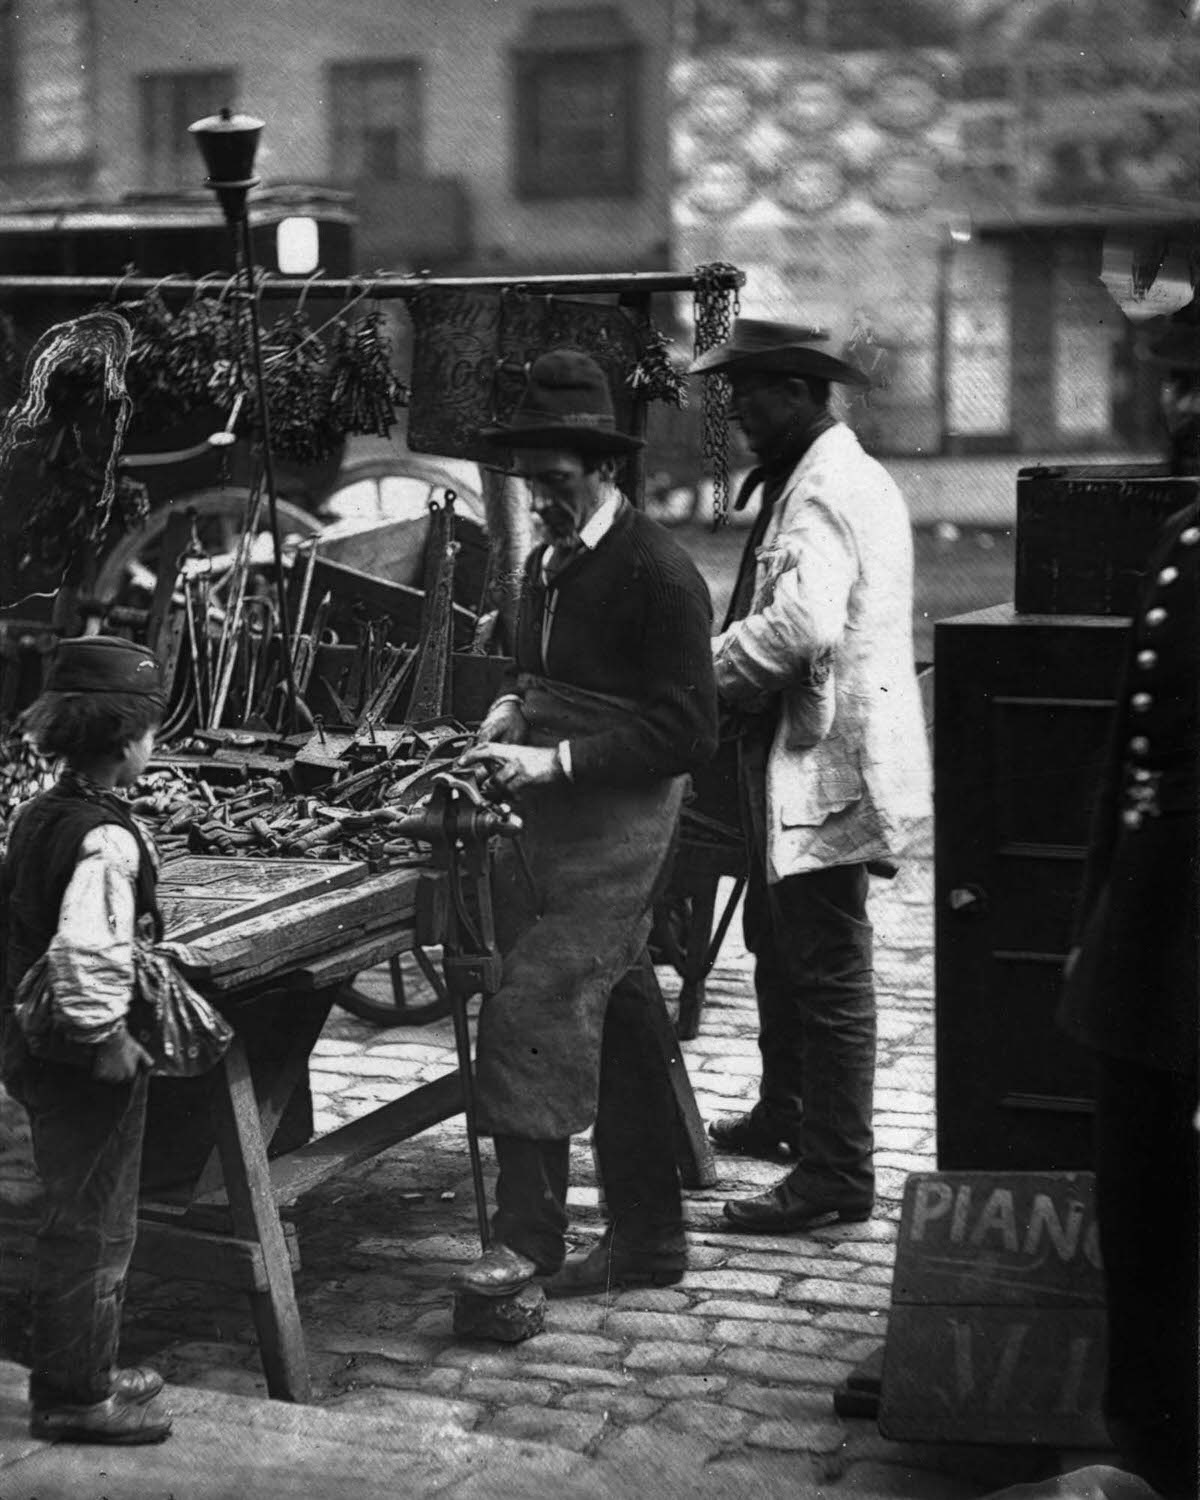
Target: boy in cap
816,665
611,705
76,880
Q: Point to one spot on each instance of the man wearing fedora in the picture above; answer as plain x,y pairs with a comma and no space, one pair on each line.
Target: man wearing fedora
612,703
815,669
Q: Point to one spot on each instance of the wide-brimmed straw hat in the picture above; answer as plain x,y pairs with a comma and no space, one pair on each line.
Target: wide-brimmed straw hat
776,349
566,403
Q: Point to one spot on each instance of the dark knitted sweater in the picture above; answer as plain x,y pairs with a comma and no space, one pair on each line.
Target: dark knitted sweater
632,619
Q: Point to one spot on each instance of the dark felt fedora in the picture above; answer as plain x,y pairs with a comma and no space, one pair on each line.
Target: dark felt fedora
1177,347
103,664
566,403
757,346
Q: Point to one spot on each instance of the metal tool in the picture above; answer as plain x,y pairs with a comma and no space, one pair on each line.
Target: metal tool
454,909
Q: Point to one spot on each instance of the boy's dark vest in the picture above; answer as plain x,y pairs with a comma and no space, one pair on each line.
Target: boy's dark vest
43,850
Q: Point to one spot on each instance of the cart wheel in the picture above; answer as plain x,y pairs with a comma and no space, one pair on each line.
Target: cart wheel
133,560
430,1003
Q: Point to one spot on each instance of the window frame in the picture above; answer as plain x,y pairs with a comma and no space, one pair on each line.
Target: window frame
348,75
224,80
534,181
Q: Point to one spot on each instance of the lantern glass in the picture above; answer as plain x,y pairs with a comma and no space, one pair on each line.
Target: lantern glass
297,246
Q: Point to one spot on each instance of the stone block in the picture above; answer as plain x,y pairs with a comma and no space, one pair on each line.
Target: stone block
717,1422
760,1312
507,1320
789,1337
575,1430
756,1283
658,1355
687,1387
798,1437
652,1299
618,1406
576,1375
770,1365
681,1327
574,1349
816,1291
498,1392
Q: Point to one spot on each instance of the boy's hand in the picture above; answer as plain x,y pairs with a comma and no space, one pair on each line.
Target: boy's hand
120,1058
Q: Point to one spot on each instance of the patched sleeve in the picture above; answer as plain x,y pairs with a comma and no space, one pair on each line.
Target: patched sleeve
91,954
794,635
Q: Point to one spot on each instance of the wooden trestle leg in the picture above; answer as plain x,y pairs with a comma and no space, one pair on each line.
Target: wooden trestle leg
255,1217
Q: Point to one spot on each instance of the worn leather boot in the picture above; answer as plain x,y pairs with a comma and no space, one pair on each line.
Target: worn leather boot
499,1272
136,1383
614,1263
751,1135
116,1421
784,1209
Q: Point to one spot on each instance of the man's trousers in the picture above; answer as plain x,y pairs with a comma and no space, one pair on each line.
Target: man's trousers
634,1141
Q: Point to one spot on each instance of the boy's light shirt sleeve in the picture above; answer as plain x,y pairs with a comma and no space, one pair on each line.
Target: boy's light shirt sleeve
91,954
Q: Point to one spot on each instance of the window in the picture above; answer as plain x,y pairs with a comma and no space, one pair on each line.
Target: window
44,91
577,82
170,103
377,120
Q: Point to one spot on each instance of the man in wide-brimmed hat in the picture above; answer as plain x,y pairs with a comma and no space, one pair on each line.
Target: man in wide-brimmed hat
612,704
815,667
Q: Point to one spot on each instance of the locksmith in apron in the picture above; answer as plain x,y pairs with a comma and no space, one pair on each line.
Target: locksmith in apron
612,704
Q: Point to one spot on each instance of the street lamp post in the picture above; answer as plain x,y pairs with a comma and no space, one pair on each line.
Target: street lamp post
228,143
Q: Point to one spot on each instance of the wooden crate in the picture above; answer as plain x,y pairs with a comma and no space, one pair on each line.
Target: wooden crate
1084,533
997,1327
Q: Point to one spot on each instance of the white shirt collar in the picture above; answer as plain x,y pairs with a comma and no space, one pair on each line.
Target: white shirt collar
596,528
600,523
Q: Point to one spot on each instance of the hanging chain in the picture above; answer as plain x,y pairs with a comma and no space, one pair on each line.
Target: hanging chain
715,306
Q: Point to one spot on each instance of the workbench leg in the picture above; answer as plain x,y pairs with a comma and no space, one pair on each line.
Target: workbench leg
693,1152
255,1217
310,1012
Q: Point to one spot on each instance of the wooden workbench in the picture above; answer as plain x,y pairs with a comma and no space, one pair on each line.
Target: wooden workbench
224,1227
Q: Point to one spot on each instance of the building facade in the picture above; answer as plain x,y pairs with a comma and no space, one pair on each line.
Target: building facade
490,136
936,181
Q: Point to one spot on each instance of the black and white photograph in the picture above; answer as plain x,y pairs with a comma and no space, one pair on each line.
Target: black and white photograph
599,682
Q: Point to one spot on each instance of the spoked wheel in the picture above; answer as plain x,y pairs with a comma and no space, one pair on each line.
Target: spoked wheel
415,1000
128,572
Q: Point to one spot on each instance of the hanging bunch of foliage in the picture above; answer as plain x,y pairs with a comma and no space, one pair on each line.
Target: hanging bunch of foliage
363,392
299,381
656,377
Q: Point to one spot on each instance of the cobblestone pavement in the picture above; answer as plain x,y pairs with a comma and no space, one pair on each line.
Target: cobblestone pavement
731,1373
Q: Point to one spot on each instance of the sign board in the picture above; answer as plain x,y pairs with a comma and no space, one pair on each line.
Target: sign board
997,1327
471,350
200,894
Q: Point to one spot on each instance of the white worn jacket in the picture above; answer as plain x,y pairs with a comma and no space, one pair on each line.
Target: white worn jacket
848,772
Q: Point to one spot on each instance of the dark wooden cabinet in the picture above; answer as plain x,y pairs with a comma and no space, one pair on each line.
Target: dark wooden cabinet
1022,710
